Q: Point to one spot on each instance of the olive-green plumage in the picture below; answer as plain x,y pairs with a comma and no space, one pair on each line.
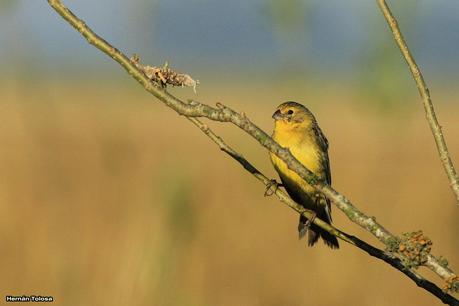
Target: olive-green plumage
296,129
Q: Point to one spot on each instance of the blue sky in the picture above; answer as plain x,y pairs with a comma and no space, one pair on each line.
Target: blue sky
334,36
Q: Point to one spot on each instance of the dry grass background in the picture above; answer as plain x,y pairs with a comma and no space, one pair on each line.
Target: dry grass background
109,198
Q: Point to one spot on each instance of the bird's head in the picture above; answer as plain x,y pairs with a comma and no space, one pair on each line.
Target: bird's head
293,115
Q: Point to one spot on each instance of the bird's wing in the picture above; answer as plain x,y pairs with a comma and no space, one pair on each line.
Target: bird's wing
323,143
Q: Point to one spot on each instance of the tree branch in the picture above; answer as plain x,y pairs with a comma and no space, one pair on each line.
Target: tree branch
425,95
371,250
225,114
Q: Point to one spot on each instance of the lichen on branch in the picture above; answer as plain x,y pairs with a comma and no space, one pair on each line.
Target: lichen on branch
165,75
413,248
224,114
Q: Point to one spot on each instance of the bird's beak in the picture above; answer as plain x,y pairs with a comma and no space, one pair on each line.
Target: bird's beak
277,115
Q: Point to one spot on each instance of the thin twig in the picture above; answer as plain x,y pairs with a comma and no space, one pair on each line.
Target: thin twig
425,95
225,114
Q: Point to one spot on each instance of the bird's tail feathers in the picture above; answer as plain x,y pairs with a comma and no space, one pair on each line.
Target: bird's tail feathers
314,232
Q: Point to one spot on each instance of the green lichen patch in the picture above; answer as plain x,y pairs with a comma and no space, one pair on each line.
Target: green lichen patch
392,244
414,247
442,261
451,284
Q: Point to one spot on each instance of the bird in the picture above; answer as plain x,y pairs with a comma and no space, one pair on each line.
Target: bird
296,129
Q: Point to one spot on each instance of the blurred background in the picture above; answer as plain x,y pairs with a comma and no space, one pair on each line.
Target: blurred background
107,196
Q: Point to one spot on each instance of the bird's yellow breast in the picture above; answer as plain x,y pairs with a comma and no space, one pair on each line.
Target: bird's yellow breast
303,147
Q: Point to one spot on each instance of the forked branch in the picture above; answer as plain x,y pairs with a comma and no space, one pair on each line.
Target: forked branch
224,114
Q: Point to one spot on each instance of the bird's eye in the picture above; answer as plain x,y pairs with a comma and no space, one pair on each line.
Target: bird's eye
290,112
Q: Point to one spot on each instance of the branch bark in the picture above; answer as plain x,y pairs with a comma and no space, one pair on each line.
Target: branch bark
224,114
426,99
362,245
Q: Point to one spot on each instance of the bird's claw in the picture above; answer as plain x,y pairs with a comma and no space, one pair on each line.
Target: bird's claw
269,190
310,221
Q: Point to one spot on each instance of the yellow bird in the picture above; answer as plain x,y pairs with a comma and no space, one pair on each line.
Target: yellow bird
296,129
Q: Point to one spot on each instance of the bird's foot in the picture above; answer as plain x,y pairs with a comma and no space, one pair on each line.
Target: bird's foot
310,221
271,187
